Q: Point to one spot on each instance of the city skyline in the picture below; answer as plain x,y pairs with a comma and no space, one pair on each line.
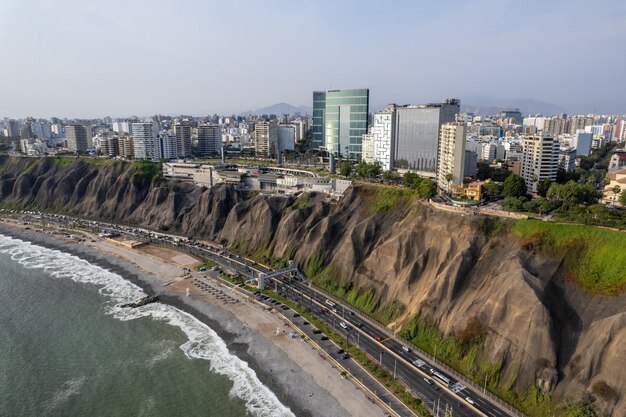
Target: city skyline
88,59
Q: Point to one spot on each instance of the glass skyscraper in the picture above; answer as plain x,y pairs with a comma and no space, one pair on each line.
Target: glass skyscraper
340,120
417,134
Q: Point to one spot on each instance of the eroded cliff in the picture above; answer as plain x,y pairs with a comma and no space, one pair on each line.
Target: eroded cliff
496,307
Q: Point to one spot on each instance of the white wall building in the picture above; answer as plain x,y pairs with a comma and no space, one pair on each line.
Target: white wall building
145,143
540,159
168,144
380,138
451,159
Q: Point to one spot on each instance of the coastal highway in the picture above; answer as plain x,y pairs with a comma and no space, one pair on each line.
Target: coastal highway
420,373
414,370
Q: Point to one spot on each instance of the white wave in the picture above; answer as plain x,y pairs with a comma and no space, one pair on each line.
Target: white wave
69,388
203,342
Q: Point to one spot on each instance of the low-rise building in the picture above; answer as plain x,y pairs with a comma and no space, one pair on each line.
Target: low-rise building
610,194
472,191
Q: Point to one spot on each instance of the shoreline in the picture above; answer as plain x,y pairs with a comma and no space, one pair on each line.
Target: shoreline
242,339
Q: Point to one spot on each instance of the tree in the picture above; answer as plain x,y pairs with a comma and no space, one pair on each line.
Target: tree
543,187
622,198
345,168
514,186
426,188
482,171
491,189
390,177
616,190
411,179
365,170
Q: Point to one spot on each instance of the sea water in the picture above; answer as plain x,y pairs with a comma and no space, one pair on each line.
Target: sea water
67,348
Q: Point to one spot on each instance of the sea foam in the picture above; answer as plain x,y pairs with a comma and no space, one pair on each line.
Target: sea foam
202,341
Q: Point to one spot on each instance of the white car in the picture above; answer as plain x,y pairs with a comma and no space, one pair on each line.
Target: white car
469,400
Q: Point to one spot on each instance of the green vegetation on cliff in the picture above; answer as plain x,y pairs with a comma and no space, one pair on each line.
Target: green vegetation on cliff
594,257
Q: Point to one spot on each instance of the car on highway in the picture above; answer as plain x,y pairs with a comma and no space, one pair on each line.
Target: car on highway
378,338
343,325
406,349
317,331
428,381
469,400
324,338
340,351
346,356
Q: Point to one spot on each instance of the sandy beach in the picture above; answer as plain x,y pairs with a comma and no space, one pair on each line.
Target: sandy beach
304,381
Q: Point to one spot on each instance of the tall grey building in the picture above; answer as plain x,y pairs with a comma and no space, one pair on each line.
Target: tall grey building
13,128
145,143
77,138
417,134
182,131
209,140
340,120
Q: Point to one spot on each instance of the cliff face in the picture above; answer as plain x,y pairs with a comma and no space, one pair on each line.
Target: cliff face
453,271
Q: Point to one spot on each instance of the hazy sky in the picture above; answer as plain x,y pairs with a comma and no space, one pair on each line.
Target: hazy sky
84,58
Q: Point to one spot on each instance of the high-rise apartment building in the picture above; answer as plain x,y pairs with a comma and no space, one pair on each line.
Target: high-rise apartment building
209,140
145,142
77,138
168,144
183,139
109,146
340,120
451,158
265,136
126,147
13,128
540,159
418,127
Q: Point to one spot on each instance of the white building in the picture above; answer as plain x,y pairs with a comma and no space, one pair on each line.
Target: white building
122,127
145,143
380,140
367,148
265,134
540,159
451,158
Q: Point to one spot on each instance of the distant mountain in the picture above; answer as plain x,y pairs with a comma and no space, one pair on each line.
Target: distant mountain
280,109
485,106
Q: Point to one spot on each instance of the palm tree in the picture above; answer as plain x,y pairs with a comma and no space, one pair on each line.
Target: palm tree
616,190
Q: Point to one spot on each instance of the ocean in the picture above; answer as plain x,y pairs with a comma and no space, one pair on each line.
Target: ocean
68,349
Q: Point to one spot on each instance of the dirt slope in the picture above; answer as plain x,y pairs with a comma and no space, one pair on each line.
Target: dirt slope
449,268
